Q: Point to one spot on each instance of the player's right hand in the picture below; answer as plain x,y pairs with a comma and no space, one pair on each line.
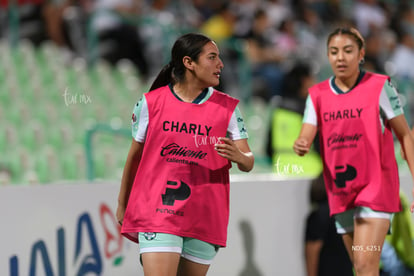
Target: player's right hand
301,146
120,211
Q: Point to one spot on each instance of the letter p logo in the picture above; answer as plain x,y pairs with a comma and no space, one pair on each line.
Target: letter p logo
171,195
342,176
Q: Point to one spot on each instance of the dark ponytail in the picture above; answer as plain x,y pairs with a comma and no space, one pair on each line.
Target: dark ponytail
164,77
189,45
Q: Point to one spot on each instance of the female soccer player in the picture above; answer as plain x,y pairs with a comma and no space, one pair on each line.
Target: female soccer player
355,113
174,195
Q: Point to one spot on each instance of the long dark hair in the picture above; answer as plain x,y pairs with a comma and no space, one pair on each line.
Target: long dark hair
190,45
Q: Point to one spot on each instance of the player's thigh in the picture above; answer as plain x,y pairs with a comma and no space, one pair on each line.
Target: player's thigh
369,236
196,258
160,253
363,230
190,268
370,232
160,263
371,227
345,222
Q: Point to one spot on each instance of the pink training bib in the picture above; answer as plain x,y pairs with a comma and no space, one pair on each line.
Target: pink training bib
182,184
357,147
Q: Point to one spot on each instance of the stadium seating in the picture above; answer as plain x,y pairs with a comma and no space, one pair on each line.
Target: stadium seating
50,108
47,106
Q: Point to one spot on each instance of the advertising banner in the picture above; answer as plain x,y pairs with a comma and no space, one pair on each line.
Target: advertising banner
63,230
70,229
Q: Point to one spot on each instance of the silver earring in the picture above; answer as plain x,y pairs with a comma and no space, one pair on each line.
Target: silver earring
362,61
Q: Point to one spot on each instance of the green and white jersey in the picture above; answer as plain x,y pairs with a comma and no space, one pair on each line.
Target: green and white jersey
236,129
389,101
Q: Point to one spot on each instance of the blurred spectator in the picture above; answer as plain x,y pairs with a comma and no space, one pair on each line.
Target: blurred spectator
245,11
264,58
220,26
277,11
66,25
2,23
7,4
369,16
53,14
24,20
285,40
309,27
327,11
190,14
373,53
402,58
115,23
286,122
159,29
406,15
325,253
204,9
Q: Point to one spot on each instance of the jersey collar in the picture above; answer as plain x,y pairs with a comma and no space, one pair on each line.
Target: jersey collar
204,95
337,90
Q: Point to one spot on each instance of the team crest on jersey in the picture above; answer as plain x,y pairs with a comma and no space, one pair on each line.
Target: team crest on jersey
134,118
391,84
149,236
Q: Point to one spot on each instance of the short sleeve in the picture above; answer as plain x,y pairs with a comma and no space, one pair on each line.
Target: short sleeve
140,120
390,102
309,115
237,129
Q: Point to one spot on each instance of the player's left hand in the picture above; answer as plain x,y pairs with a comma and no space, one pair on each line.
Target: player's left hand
228,149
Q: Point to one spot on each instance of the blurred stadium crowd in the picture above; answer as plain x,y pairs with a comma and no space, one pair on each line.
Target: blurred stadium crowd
72,70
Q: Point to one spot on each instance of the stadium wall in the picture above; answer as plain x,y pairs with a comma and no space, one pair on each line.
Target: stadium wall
70,229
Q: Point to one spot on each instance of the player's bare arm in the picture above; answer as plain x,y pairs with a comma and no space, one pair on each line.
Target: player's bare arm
130,170
305,139
405,136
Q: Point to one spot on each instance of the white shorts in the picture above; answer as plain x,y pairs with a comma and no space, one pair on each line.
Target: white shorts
191,249
345,221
